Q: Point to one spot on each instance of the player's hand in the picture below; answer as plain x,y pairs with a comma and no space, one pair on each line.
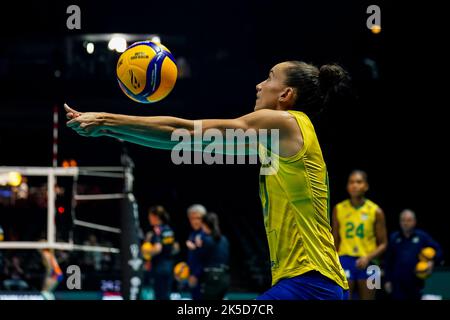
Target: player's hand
192,281
362,263
198,241
430,266
86,124
190,245
71,113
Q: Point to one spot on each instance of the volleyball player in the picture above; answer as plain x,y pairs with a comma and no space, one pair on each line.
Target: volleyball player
295,199
360,234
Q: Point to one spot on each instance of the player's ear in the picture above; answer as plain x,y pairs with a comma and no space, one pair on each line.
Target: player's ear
287,95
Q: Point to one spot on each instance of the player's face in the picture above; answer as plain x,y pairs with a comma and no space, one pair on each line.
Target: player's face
153,219
268,92
407,222
356,185
195,219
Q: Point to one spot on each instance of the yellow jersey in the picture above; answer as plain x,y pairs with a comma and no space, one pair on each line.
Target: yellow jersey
356,228
295,200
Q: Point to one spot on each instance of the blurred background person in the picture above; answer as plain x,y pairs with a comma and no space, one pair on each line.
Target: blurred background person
21,192
162,252
53,273
195,214
2,237
402,257
14,274
360,235
92,259
146,251
214,253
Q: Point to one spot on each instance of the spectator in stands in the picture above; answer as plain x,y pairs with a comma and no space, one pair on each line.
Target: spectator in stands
14,274
92,259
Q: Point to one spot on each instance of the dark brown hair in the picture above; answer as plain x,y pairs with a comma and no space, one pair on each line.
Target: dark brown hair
211,220
316,88
160,212
362,173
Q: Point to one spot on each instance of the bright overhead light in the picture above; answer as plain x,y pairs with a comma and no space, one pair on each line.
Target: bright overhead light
117,43
156,39
13,179
90,48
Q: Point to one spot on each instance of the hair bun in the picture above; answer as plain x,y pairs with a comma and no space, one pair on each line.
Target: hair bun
331,75
334,80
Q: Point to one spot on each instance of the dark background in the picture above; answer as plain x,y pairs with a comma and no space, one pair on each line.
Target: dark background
393,130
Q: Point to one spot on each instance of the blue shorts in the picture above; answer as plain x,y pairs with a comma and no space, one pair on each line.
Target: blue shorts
57,276
351,271
309,286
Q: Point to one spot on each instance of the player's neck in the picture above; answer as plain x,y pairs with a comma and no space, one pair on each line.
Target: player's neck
408,234
357,202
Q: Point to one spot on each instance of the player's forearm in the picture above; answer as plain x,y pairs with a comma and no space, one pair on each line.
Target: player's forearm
378,251
139,141
162,127
157,132
147,140
158,129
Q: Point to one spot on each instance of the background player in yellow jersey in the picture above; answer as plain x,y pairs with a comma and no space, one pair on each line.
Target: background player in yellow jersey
305,264
359,230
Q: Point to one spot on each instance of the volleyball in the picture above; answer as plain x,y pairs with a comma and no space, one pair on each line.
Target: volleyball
422,270
145,249
146,71
427,254
181,271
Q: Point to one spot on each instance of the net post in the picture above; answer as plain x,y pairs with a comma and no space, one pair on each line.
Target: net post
131,236
51,207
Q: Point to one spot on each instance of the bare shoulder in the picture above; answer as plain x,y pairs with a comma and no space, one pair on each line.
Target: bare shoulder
270,119
379,210
291,139
269,113
379,213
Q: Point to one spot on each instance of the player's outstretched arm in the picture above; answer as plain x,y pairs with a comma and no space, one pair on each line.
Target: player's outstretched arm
158,132
89,124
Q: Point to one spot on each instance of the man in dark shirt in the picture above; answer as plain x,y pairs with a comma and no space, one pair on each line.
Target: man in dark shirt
402,257
195,214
